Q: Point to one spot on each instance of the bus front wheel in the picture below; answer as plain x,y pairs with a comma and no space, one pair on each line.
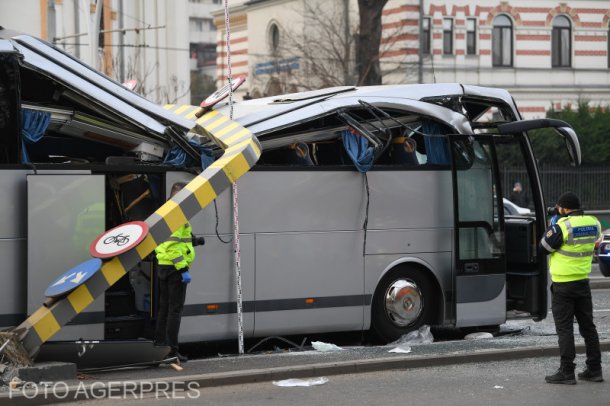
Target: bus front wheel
403,302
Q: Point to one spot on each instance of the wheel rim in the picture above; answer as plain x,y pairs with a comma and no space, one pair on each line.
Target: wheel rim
404,302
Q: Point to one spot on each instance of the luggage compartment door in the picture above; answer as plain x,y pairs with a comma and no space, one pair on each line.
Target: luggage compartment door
65,214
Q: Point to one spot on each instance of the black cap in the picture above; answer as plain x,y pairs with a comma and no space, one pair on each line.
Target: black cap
569,200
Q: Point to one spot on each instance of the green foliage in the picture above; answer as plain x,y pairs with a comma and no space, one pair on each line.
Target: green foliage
593,128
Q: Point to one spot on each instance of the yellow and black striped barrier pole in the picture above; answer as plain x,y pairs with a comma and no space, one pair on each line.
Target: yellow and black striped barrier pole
241,151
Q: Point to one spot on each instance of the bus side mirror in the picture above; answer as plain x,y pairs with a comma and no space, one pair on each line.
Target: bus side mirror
572,144
561,127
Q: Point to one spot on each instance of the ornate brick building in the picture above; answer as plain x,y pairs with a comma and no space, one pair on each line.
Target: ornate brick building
546,52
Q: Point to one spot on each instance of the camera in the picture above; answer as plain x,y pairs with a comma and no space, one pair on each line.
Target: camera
198,240
552,211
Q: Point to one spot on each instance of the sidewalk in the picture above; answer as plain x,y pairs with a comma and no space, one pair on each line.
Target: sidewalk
233,370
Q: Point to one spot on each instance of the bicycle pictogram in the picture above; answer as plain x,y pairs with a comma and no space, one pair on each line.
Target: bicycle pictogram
118,239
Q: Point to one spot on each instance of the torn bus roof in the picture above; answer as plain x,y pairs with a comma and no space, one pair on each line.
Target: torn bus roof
84,103
267,115
80,77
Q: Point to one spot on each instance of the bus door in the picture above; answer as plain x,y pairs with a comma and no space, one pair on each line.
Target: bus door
480,270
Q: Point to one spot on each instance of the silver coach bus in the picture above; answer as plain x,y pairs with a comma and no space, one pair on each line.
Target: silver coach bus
420,237
374,208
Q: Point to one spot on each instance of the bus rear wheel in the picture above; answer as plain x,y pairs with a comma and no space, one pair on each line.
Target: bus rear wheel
403,302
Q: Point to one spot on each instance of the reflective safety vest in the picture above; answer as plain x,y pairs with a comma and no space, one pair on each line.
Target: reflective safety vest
572,261
178,249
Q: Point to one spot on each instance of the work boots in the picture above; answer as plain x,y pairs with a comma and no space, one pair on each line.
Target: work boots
593,376
564,375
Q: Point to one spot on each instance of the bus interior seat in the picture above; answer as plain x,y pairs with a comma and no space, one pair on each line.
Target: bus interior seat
136,197
330,153
299,155
296,154
402,151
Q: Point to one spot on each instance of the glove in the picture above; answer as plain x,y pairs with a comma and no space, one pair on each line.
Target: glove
555,219
186,277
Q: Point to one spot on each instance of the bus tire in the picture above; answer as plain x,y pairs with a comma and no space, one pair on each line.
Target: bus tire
403,302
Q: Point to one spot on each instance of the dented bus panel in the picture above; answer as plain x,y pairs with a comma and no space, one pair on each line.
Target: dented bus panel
373,208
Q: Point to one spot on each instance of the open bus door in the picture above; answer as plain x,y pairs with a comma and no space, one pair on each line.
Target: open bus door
480,270
526,272
497,268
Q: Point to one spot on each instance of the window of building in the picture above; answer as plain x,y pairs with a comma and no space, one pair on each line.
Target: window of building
447,36
201,24
274,38
425,31
471,36
561,42
502,41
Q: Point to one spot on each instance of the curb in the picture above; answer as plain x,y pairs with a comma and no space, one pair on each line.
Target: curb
85,391
599,283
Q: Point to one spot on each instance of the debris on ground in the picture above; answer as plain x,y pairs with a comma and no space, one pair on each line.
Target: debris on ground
401,349
325,347
286,383
478,335
419,336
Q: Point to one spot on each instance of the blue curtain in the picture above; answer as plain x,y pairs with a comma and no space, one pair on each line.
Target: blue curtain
358,149
437,148
176,157
33,126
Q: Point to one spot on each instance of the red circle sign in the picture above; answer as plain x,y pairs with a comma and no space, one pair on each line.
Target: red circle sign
119,239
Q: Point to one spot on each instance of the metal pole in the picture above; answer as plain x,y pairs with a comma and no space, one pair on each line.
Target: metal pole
121,43
236,245
420,53
346,53
94,34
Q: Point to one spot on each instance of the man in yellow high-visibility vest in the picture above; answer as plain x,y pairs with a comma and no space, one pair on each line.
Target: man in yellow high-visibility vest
570,243
174,256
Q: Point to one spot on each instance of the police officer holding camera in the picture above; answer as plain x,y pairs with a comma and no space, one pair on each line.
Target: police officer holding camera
570,242
174,257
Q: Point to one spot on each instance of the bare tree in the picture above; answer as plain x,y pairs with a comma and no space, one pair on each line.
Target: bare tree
329,48
369,40
163,94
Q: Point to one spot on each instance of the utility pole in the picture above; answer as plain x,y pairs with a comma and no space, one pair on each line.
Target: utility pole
94,33
121,47
420,53
347,45
51,20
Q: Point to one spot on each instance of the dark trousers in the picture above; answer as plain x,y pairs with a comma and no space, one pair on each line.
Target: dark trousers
172,293
573,299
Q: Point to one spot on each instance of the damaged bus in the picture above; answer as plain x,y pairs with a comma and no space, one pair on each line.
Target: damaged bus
373,208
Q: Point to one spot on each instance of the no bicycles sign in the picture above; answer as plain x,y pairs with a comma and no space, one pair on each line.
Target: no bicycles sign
119,239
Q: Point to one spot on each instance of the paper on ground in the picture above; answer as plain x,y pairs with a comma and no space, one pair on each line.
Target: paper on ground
402,349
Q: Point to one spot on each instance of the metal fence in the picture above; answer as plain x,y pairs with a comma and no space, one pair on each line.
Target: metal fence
591,184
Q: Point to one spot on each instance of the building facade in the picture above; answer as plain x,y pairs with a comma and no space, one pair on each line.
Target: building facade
202,46
547,53
146,41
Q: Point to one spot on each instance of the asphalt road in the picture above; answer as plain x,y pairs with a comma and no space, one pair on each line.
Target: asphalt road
501,383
